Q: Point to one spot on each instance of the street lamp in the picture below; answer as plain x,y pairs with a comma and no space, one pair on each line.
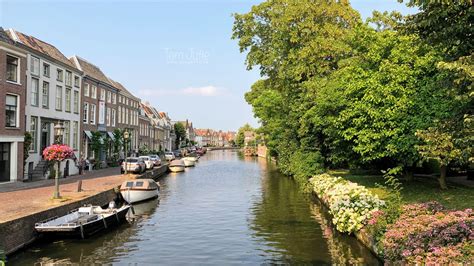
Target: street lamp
58,132
126,135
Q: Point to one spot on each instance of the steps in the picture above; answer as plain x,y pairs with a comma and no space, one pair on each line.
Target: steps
39,171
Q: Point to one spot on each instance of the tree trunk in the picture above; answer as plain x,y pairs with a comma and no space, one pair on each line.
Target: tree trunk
442,177
409,174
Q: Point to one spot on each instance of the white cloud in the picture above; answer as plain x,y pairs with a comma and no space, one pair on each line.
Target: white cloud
206,91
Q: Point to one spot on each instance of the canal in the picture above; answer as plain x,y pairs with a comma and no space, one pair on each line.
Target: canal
228,209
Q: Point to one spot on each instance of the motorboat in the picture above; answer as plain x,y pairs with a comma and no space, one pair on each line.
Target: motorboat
138,190
84,221
177,165
189,161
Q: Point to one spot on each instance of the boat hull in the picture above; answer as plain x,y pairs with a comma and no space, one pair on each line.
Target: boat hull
134,196
189,163
177,168
87,229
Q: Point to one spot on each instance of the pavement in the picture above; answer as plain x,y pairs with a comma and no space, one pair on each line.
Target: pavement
20,199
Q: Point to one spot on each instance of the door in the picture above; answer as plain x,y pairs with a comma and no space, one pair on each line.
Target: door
45,139
5,161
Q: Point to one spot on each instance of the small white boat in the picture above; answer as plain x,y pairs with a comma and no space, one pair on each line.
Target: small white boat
139,190
84,221
189,161
177,166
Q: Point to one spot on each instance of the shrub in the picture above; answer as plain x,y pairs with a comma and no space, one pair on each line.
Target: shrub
304,165
350,204
426,232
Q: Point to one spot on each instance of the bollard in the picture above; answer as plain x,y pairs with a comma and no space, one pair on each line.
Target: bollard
79,186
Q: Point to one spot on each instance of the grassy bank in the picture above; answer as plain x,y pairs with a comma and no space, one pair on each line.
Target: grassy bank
420,190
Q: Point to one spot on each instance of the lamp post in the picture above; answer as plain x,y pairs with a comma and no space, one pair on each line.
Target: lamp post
58,132
126,135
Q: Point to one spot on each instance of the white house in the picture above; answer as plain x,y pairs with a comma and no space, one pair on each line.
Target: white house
53,97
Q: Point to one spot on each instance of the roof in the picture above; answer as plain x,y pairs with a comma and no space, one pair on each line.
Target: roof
40,46
90,69
4,37
122,89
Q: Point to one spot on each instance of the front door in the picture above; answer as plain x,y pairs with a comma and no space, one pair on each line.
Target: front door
45,139
5,161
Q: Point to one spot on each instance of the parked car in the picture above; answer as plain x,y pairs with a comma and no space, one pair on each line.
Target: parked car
134,165
177,153
169,156
156,159
148,162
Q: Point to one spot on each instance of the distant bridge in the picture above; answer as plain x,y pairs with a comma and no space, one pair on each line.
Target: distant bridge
222,148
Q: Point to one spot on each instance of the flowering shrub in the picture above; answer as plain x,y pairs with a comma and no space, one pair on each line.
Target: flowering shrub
426,233
57,152
350,204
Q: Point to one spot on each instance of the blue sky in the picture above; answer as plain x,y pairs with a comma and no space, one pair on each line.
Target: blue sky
178,55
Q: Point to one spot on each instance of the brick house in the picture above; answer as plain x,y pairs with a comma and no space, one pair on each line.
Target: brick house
98,109
12,115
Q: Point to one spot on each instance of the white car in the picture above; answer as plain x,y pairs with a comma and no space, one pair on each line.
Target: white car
148,162
169,156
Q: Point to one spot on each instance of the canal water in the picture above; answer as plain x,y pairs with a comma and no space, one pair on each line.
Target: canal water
228,209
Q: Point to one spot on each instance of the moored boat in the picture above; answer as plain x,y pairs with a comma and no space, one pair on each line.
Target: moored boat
189,161
84,221
139,190
177,166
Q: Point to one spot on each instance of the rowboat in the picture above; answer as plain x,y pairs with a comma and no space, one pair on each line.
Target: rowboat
177,166
134,191
84,221
189,161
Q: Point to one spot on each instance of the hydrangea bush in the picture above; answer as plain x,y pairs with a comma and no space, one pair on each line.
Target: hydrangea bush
350,204
57,152
427,233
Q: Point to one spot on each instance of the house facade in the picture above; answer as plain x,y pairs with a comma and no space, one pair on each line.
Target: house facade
98,111
53,89
12,116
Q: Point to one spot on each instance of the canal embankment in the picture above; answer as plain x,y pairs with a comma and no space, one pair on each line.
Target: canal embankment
21,209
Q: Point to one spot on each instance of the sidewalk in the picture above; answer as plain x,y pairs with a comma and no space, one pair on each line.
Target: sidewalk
22,199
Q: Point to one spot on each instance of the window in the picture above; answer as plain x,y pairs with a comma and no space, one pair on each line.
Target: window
60,75
93,109
34,66
113,117
59,98
76,81
75,128
114,98
76,102
109,97
34,91
120,114
46,70
68,100
86,89
45,95
11,111
67,133
12,68
94,92
102,95
68,78
126,116
108,116
34,132
85,113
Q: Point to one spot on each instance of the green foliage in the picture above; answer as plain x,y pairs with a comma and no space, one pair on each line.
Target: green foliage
180,133
97,144
118,140
304,165
240,138
26,146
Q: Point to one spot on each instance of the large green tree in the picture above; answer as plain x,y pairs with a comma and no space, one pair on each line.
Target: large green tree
240,137
180,133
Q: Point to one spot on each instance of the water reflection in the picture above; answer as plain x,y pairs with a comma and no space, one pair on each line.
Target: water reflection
227,210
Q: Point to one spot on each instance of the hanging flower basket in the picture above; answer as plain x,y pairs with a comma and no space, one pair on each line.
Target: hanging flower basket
58,152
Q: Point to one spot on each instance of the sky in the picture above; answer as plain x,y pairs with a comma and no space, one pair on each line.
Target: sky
177,55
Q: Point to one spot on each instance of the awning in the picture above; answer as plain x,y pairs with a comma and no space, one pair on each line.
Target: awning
111,135
88,134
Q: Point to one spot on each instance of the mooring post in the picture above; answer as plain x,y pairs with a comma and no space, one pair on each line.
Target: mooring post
79,186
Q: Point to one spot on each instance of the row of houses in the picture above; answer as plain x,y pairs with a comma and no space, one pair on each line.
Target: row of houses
214,138
41,88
